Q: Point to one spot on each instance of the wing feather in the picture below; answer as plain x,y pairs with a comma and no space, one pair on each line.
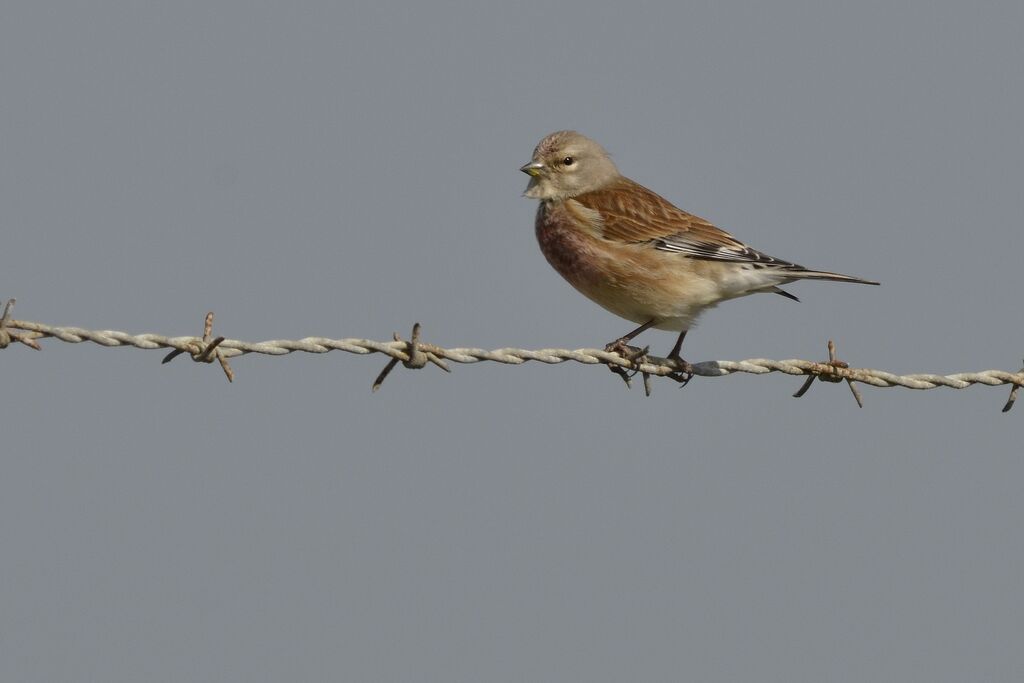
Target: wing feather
633,214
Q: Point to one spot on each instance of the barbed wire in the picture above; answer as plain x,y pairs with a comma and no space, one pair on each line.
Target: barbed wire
417,354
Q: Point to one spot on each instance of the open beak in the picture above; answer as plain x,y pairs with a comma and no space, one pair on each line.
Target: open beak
532,169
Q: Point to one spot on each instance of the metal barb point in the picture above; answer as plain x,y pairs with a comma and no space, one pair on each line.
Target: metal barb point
6,336
1013,396
205,351
417,355
825,375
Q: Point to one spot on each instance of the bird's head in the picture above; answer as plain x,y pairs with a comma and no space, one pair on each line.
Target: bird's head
566,164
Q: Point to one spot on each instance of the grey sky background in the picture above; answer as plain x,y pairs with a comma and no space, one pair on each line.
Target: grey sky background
322,169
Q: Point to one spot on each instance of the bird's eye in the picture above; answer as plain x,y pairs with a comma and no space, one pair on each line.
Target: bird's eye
568,161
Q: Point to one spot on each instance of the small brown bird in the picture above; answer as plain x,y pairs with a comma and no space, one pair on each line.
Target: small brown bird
634,253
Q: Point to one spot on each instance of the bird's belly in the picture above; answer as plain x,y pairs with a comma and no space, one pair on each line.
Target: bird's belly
631,281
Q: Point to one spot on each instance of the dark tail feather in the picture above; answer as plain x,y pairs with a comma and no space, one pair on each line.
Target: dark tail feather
780,292
825,275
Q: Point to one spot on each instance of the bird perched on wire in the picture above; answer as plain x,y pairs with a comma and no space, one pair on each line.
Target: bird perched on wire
634,253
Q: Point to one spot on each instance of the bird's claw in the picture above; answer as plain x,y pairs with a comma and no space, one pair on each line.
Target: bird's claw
683,375
633,354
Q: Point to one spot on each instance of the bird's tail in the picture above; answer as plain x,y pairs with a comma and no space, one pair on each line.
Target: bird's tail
803,274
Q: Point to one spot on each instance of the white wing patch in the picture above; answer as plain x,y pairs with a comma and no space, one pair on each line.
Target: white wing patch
737,253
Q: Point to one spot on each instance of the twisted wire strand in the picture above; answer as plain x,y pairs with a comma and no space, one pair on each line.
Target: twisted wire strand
399,350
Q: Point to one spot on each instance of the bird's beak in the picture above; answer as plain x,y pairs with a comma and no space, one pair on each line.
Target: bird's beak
532,169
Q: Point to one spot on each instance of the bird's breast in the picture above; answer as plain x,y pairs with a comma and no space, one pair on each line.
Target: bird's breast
568,249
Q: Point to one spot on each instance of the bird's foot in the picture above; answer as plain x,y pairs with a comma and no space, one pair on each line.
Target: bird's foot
685,372
634,354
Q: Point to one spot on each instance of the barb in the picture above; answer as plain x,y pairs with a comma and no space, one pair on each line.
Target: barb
1013,396
205,351
417,357
416,354
6,336
838,364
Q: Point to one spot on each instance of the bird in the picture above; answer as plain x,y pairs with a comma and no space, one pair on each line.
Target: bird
635,253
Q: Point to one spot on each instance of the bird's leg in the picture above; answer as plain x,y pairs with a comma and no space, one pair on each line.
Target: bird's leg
631,353
621,345
685,373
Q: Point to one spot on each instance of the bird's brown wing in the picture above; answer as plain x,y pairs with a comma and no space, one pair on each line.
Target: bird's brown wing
633,214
